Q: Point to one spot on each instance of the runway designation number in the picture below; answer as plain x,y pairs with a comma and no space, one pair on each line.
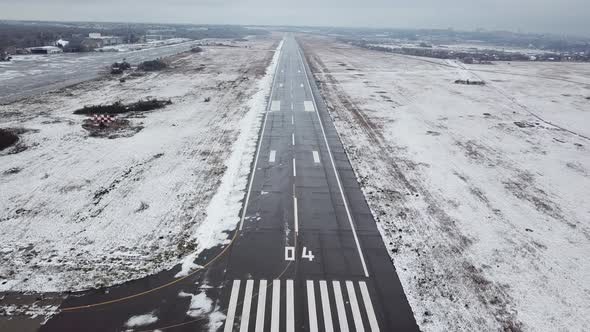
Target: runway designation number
290,254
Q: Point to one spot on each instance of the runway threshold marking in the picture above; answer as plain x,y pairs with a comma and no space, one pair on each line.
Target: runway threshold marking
345,298
246,305
261,307
369,307
231,310
313,319
356,313
290,307
343,322
328,325
276,306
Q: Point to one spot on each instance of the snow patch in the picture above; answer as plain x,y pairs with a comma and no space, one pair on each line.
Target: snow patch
141,320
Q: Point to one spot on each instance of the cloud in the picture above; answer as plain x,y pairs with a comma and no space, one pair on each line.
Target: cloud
565,16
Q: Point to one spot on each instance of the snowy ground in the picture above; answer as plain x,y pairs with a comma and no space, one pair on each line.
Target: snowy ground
78,211
481,192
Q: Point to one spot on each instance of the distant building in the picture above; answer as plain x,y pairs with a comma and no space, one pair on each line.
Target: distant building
160,34
45,50
96,40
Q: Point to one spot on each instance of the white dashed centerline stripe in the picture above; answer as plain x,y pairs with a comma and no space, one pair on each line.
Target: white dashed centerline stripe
354,305
271,158
261,307
295,213
356,240
326,307
231,309
294,168
316,157
369,307
293,139
343,322
245,320
276,306
292,120
313,319
290,307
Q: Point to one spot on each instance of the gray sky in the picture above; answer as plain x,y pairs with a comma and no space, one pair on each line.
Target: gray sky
556,16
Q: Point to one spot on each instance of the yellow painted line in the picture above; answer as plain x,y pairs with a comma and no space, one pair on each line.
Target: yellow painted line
121,299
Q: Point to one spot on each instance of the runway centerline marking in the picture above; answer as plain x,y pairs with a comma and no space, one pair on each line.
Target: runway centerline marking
293,139
294,169
295,213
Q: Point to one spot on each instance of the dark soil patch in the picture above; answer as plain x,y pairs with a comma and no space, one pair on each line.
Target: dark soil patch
119,108
524,124
152,65
115,129
7,138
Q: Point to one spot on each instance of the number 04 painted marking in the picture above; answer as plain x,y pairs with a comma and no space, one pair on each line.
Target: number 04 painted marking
290,254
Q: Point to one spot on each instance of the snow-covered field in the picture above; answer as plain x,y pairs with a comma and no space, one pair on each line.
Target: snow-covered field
482,193
79,211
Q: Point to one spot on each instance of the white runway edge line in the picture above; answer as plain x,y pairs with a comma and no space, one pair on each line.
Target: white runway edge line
356,240
231,309
245,206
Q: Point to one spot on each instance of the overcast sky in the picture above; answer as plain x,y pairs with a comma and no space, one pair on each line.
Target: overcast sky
556,16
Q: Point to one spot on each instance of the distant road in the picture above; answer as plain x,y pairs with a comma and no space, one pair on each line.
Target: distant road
32,74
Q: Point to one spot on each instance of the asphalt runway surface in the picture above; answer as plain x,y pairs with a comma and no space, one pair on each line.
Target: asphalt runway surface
307,255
